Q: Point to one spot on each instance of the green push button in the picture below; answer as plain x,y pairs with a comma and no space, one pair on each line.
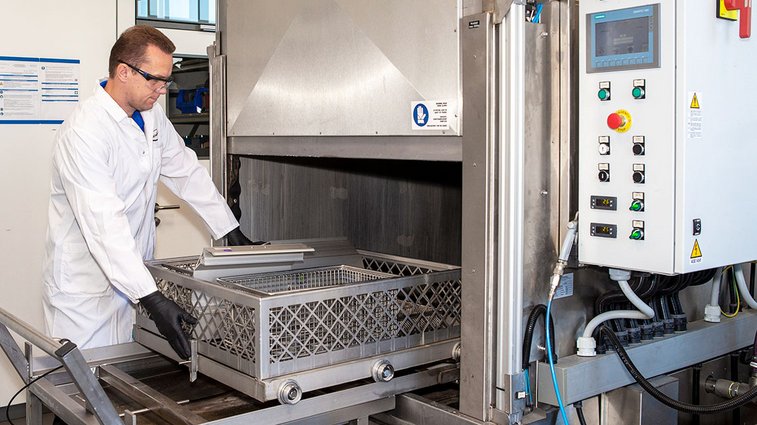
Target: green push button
638,93
637,205
637,235
603,94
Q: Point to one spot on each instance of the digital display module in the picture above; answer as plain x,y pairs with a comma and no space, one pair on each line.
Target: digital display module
623,39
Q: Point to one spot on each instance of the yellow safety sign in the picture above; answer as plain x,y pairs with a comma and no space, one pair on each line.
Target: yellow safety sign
695,102
696,252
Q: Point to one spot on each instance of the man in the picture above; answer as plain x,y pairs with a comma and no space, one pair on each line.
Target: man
107,160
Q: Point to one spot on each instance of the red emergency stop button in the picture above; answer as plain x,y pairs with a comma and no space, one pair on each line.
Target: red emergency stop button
619,121
615,121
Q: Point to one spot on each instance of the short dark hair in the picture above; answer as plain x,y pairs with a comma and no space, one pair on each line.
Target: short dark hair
132,44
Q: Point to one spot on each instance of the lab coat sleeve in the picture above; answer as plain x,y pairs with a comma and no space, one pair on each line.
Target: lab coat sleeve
82,162
187,179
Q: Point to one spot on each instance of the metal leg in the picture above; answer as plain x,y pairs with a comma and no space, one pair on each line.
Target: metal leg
68,354
33,409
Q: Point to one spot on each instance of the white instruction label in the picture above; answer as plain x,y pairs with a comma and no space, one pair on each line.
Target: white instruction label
695,116
37,90
566,286
430,115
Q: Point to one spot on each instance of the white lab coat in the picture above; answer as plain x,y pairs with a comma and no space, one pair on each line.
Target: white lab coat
101,216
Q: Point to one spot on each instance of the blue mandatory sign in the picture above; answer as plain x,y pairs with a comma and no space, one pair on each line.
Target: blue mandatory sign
420,115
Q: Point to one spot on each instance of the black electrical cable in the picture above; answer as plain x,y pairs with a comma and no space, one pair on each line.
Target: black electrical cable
8,407
580,412
605,301
736,414
539,311
676,305
696,375
616,299
732,293
725,406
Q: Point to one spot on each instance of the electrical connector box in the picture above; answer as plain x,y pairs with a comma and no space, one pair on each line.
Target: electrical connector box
680,123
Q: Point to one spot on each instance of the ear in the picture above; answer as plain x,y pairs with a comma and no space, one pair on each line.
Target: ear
122,72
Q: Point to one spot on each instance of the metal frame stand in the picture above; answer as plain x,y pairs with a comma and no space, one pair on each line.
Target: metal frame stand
353,405
43,391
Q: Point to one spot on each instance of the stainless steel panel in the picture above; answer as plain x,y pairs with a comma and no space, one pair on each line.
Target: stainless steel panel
582,377
407,208
333,402
476,367
338,67
416,410
550,162
218,144
633,406
544,198
428,148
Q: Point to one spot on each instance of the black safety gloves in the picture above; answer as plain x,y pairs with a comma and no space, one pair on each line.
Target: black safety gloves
169,317
237,238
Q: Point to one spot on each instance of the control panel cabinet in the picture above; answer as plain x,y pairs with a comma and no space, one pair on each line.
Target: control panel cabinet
668,150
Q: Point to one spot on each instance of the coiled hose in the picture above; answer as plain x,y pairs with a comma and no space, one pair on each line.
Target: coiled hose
725,406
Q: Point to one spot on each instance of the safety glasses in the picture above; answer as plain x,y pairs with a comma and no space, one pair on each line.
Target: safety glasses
153,81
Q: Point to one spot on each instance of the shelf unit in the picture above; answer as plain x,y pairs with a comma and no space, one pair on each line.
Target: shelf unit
190,73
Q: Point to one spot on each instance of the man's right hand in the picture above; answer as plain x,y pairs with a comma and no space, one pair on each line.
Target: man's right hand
169,317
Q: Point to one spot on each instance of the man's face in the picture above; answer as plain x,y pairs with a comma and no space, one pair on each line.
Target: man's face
142,94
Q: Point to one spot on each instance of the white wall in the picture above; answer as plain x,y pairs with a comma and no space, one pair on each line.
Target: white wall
85,30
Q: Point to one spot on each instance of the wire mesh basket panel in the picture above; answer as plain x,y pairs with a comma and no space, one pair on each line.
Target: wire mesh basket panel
298,280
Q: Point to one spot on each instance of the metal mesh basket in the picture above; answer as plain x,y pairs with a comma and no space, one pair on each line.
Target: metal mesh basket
318,316
299,280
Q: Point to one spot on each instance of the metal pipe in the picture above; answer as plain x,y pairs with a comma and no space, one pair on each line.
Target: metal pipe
511,201
29,333
743,289
712,310
696,376
725,388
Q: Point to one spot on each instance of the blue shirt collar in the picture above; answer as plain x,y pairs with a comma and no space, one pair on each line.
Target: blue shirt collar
136,116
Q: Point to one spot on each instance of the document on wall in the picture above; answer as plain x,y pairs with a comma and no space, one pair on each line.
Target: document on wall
37,90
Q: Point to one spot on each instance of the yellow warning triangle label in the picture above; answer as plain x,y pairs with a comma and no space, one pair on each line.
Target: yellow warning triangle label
694,105
696,252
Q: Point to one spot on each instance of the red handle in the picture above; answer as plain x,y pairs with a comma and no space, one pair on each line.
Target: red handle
745,15
745,20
